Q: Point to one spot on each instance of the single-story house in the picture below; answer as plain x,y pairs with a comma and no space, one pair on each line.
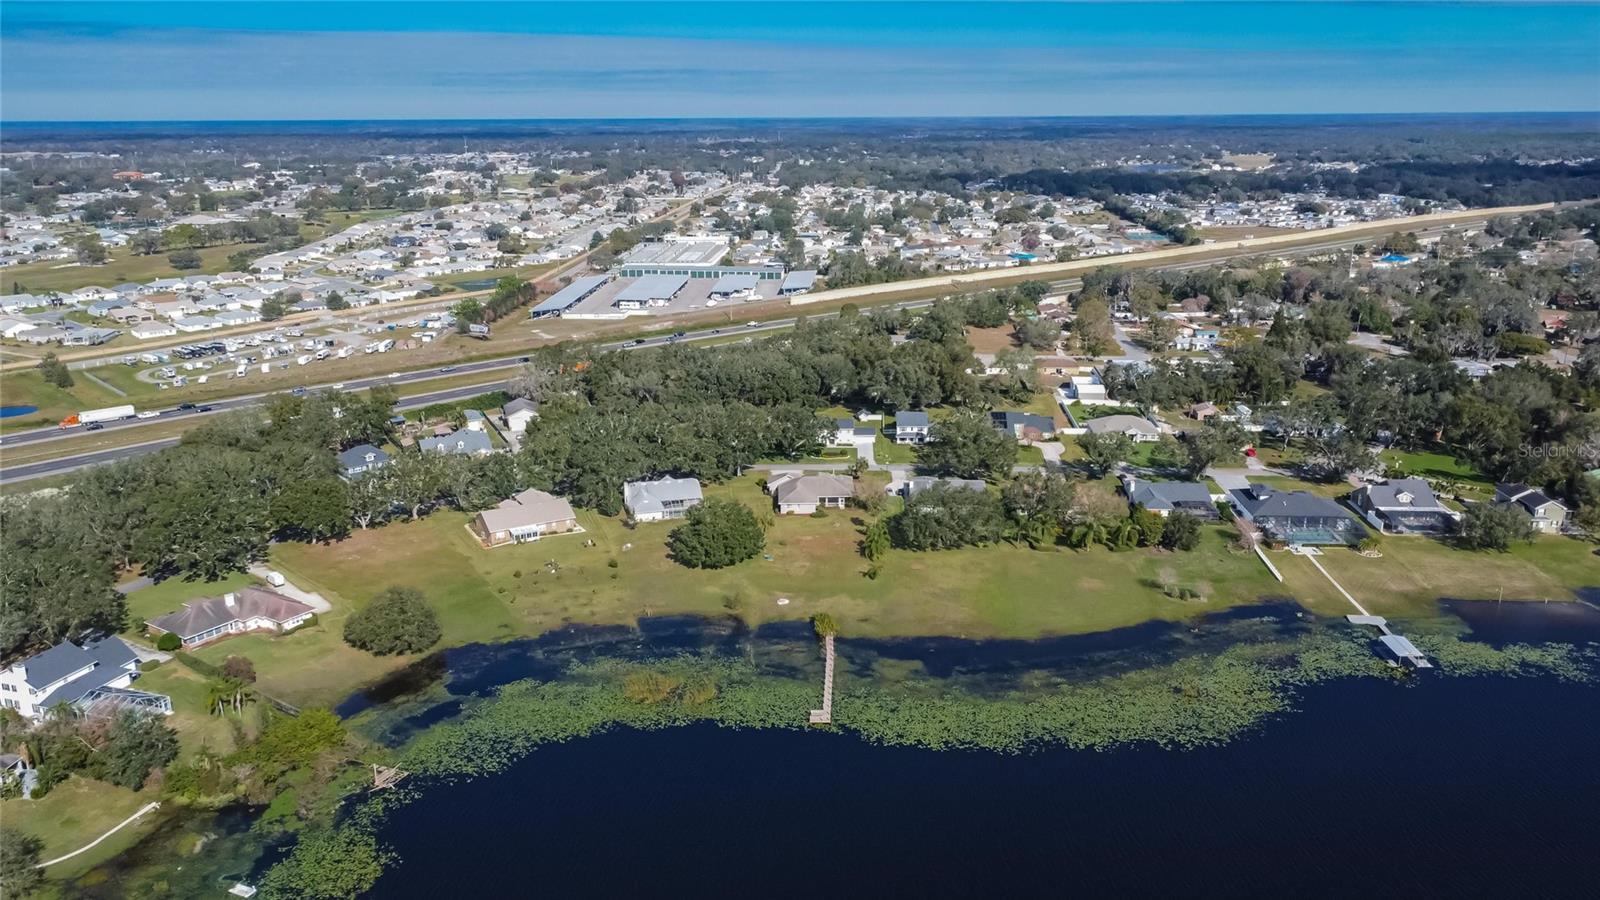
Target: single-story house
129,315
799,494
846,433
1085,389
1139,430
1297,517
475,420
664,498
910,427
1192,337
1548,514
75,675
1164,497
465,443
528,516
145,331
913,486
1024,426
518,413
362,458
1403,506
247,609
1203,410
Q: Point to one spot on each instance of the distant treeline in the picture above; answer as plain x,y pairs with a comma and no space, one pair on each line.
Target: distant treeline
1495,182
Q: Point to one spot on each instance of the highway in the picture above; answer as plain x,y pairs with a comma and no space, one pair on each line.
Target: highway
504,365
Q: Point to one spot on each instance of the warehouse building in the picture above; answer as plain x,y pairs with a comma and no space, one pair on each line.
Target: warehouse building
570,296
650,290
690,259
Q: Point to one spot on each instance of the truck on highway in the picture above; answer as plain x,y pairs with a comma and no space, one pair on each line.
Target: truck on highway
106,414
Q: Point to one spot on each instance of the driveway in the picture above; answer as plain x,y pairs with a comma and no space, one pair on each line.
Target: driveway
1052,451
1230,479
309,598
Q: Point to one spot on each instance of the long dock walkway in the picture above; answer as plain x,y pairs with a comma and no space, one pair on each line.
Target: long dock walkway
824,715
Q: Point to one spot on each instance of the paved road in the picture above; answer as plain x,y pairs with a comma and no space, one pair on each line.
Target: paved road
503,365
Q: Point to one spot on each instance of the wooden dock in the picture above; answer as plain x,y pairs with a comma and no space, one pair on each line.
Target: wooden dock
824,715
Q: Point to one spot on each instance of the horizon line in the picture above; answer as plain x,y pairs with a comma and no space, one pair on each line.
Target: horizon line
841,118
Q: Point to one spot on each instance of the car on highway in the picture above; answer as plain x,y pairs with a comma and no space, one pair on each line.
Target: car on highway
205,409
298,392
185,407
147,414
93,426
524,359
337,385
392,375
636,342
752,324
447,368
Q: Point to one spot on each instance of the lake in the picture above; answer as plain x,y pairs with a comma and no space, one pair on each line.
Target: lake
7,412
1432,787
1369,785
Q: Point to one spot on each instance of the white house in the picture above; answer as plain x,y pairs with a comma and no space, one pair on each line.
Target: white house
145,331
910,427
664,498
518,413
78,676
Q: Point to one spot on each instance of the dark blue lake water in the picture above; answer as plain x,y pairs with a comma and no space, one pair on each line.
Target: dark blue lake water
7,412
1442,787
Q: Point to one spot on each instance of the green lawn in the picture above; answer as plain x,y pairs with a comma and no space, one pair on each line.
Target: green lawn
1414,571
28,388
76,812
170,595
998,591
1435,466
888,453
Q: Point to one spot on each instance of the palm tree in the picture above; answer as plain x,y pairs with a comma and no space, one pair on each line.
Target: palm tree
1086,533
224,694
1124,535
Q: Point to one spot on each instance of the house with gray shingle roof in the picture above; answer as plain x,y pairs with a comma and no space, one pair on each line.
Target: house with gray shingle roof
1403,506
910,427
75,675
463,442
1165,497
1297,517
795,493
362,458
1547,513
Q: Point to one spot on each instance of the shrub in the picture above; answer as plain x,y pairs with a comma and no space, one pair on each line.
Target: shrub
396,621
1225,510
168,642
239,668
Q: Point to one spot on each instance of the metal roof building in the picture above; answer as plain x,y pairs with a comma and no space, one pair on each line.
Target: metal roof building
798,281
735,283
692,259
651,290
570,295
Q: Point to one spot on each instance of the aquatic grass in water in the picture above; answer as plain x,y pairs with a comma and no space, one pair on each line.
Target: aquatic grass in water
1200,700
1196,701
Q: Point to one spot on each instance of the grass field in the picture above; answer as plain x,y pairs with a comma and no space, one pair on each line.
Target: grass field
1415,571
76,812
170,595
998,591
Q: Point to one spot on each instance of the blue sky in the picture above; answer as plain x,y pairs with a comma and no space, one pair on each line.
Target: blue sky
339,60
